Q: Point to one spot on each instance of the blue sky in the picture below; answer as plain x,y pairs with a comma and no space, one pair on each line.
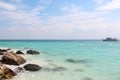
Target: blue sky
59,19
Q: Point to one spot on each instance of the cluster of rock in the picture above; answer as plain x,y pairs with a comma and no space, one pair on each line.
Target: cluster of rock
13,58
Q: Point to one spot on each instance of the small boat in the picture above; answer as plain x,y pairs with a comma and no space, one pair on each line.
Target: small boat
110,39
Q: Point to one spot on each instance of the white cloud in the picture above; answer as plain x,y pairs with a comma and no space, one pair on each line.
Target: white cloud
18,1
46,1
7,6
110,5
37,10
71,9
99,1
75,20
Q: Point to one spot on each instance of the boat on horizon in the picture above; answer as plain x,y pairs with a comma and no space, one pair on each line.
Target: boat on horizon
110,39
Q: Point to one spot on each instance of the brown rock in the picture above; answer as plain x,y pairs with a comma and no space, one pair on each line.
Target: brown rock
5,72
13,59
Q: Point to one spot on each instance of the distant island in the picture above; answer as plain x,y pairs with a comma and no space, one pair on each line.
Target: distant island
110,39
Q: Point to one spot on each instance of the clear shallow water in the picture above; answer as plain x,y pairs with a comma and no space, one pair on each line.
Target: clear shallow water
101,59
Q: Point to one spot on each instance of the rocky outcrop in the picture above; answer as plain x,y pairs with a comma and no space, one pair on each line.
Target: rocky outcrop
13,59
19,52
5,72
32,67
32,52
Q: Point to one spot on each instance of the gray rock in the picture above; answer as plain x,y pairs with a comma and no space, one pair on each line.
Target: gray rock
75,61
19,52
79,70
18,69
59,69
87,78
46,69
32,52
32,67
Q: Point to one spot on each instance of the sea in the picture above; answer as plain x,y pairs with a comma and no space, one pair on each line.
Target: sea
69,59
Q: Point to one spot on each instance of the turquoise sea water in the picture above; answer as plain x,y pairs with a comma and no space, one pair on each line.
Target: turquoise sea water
101,60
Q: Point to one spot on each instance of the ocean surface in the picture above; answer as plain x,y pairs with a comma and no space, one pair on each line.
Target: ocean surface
97,60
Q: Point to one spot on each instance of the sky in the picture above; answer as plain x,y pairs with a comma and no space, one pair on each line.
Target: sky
59,19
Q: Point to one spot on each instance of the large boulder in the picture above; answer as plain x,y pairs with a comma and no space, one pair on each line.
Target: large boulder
13,59
32,52
5,72
19,52
32,67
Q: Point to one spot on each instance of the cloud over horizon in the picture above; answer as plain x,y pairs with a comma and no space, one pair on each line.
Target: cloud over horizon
51,19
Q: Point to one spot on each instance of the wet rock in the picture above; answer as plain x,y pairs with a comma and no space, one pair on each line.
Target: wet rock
9,49
75,61
46,69
19,52
87,78
5,72
3,51
32,52
59,69
18,69
13,59
32,67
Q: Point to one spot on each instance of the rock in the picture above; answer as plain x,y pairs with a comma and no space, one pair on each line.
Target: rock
87,78
59,69
79,70
3,51
18,69
13,59
5,72
9,49
32,52
32,67
46,69
75,61
19,52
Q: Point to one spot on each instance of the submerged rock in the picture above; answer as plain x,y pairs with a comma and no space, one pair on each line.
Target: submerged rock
79,70
59,69
75,61
32,52
18,69
5,72
87,78
46,69
13,59
32,67
19,52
